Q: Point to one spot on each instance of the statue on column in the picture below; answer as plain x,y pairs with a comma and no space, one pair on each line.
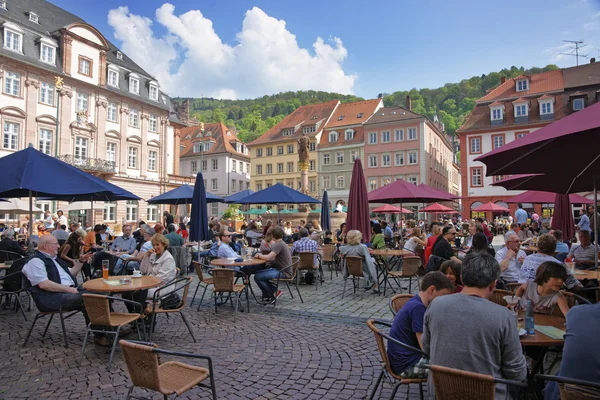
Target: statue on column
303,146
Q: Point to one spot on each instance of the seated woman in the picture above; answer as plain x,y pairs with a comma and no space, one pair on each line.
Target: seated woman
453,269
377,241
414,240
544,291
356,248
265,245
480,243
72,253
182,231
436,229
524,233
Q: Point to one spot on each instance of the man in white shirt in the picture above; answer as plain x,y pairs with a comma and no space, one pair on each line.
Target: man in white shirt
62,219
511,258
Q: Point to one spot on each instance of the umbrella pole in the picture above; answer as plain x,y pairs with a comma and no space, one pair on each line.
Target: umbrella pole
595,223
30,227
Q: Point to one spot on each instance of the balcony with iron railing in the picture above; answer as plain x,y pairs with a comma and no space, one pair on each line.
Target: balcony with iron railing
91,165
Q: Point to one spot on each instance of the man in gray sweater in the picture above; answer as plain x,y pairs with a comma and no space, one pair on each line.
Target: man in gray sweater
466,331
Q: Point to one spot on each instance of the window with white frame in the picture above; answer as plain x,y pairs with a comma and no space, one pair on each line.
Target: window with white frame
113,78
152,123
312,186
47,93
399,158
349,134
134,85
152,213
85,66
13,40
520,110
279,150
309,129
339,157
45,141
111,152
312,165
333,137
82,102
522,85
12,83
259,170
475,145
339,182
372,137
476,177
214,184
215,164
259,152
578,104
287,132
290,149
33,17
280,168
497,114
233,165
413,179
197,148
241,167
290,167
372,184
134,118
386,160
269,151
520,135
152,155
312,146
386,137
47,53
412,157
269,169
194,166
110,211
3,4
111,112
354,154
259,187
81,148
204,166
233,185
546,107
498,141
214,209
132,157
399,135
412,133
153,93
131,210
326,182
373,161
326,159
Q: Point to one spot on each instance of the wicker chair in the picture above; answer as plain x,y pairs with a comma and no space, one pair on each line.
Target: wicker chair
498,297
572,300
456,384
398,301
307,264
410,266
386,368
329,259
573,389
223,281
354,270
513,286
202,281
147,371
177,285
98,310
294,278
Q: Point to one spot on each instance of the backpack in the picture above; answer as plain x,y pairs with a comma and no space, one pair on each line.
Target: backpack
170,302
309,277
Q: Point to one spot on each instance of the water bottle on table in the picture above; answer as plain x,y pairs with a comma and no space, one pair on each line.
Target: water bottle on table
529,324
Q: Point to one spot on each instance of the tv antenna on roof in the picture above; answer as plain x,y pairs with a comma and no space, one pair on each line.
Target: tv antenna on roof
577,45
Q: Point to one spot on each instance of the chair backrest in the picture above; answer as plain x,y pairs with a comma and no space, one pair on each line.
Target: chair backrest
498,297
398,301
295,266
6,255
97,308
142,364
571,302
198,268
223,279
456,384
569,391
513,286
354,265
307,260
328,251
381,347
411,265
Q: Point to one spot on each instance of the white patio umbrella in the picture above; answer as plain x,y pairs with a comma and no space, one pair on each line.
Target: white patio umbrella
17,206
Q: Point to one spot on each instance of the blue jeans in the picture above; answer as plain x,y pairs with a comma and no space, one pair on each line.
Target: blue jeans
130,267
263,280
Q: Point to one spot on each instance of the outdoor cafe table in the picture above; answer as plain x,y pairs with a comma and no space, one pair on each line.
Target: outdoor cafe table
145,282
388,256
539,339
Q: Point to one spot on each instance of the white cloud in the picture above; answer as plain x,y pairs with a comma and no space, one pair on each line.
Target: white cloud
554,53
191,59
593,24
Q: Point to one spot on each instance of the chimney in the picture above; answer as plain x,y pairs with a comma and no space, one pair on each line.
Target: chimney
592,60
502,79
380,96
408,103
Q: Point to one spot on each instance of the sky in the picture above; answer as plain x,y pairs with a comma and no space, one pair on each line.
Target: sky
240,49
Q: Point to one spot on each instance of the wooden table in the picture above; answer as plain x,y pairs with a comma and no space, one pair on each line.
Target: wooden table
530,249
223,262
581,274
391,252
145,282
539,339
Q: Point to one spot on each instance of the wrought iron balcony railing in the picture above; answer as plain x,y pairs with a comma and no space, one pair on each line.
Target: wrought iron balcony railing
89,164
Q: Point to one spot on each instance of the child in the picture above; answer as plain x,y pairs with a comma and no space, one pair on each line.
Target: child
452,269
328,238
544,291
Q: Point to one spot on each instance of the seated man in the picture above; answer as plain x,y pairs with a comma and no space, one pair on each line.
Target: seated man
126,242
173,238
225,250
281,266
305,245
511,258
53,286
408,325
584,254
8,244
466,331
133,261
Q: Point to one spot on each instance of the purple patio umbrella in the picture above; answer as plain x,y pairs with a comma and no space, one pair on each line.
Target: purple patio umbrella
563,216
358,204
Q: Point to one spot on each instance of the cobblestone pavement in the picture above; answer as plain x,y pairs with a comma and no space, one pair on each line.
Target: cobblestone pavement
319,349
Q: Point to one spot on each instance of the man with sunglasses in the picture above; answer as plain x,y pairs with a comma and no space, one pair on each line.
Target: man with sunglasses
511,258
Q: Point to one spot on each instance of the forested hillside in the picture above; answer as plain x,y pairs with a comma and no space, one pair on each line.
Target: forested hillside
452,102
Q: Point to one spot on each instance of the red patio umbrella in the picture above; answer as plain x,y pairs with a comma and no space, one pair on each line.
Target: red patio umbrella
490,207
438,208
390,209
439,192
358,203
538,196
563,216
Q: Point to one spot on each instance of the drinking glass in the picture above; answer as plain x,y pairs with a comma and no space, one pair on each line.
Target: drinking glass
105,264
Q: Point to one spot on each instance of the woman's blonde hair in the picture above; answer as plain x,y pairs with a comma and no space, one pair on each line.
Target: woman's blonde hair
160,238
353,237
436,230
269,235
416,232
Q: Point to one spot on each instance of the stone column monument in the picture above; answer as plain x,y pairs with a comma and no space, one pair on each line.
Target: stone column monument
303,162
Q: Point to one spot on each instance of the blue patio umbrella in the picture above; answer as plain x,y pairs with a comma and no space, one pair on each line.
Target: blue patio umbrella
199,218
182,195
236,197
325,217
278,194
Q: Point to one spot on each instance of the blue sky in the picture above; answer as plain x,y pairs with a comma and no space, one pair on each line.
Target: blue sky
385,46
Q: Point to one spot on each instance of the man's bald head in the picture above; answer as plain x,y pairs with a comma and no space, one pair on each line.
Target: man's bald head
48,244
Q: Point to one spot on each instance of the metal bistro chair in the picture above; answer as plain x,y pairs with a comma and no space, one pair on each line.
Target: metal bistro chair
294,278
386,369
410,266
12,286
398,301
329,259
307,264
202,281
176,285
223,281
146,370
98,310
573,389
353,269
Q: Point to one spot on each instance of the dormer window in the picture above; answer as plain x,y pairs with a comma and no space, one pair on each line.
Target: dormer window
113,76
522,85
578,104
497,114
333,137
85,66
33,17
341,117
153,92
349,134
521,110
360,115
287,132
13,37
3,4
47,51
134,84
546,107
197,147
308,129
119,55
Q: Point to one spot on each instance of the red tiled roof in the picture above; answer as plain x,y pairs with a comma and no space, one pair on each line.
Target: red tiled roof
496,103
347,114
582,75
521,100
308,115
543,82
546,96
220,135
392,114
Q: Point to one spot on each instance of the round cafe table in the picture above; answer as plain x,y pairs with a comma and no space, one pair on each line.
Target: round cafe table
223,262
539,339
391,252
145,282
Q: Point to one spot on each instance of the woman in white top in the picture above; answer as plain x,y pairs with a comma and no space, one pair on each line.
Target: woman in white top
287,230
159,262
414,240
